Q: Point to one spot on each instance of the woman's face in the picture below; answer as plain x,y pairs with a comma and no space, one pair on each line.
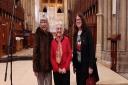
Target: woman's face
44,25
78,22
59,31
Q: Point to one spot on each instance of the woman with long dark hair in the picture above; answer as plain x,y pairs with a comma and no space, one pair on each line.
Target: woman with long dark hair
84,61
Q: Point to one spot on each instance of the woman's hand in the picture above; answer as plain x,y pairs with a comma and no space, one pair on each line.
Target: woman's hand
90,70
74,70
62,70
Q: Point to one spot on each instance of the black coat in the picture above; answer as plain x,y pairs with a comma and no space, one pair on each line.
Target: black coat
41,51
87,54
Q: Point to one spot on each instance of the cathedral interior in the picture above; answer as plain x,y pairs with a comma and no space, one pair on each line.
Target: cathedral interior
107,19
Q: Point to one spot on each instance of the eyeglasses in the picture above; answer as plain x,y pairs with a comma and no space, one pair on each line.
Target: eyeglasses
78,19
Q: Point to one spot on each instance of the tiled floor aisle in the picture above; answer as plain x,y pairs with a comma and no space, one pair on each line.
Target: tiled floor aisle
23,74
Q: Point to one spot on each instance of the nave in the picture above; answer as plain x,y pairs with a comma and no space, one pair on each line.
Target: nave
22,73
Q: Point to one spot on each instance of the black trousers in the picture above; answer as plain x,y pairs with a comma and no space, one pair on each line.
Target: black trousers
61,79
80,78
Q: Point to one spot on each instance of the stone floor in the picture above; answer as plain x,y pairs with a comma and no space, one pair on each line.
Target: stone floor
125,75
23,73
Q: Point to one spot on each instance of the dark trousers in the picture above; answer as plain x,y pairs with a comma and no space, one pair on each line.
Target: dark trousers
61,79
80,78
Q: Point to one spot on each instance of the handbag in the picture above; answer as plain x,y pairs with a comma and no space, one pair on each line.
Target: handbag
90,80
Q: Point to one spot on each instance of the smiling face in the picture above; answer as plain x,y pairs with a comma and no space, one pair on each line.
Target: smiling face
44,24
78,22
59,30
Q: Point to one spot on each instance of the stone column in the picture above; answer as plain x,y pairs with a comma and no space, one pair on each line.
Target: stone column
33,16
65,14
114,17
122,24
29,13
109,28
37,6
122,58
127,25
105,31
99,28
127,30
22,3
26,12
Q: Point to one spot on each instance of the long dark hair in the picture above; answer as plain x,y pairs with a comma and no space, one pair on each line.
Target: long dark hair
83,27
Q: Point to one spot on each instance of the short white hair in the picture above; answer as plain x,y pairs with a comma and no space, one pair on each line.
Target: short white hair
59,24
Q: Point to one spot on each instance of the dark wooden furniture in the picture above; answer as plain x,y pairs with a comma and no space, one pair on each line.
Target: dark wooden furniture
6,24
31,40
114,39
89,10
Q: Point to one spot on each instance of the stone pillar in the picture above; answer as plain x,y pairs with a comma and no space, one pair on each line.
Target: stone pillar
99,28
29,13
33,16
122,58
122,25
69,4
37,6
22,3
105,54
26,11
114,17
65,14
31,25
127,29
109,28
26,18
127,25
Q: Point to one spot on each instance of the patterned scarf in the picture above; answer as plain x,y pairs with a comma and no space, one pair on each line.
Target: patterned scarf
59,52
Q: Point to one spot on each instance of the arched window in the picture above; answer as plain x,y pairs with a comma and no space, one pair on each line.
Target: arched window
59,10
44,9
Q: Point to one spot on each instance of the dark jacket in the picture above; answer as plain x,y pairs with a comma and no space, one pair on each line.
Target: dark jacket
87,54
41,51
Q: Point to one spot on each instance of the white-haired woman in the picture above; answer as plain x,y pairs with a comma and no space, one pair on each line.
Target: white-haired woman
61,57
